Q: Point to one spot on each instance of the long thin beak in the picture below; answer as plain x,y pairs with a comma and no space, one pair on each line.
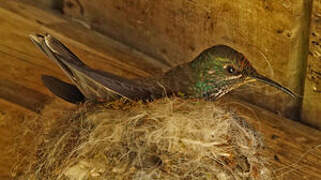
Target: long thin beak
272,83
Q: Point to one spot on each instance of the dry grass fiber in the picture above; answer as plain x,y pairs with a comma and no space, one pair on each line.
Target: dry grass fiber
168,138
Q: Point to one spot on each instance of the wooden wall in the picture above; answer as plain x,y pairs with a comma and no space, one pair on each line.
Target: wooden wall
22,65
272,34
311,109
172,32
22,94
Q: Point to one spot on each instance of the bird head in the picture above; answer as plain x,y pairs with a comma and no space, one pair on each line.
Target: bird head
222,69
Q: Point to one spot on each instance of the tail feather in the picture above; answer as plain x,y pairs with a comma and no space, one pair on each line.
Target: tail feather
92,84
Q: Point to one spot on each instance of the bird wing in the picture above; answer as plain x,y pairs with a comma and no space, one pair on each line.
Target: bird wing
91,83
64,90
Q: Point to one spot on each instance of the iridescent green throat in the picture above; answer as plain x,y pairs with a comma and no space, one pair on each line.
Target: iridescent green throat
210,76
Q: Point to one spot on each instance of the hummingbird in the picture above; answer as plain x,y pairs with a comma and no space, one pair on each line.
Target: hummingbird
213,73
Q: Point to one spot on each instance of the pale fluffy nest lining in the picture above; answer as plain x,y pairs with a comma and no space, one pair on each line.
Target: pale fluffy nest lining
164,139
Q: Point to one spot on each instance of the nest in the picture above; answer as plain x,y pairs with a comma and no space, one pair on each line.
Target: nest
163,139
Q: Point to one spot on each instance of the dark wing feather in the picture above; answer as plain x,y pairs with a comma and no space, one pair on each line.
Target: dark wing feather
64,90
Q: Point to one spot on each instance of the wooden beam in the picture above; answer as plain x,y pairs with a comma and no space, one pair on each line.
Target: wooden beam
22,64
11,116
311,108
17,125
20,95
273,35
293,149
94,47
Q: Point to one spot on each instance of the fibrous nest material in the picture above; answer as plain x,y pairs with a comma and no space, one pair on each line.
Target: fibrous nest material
164,139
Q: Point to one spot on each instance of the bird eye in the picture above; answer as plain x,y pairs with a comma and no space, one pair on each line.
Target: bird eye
230,69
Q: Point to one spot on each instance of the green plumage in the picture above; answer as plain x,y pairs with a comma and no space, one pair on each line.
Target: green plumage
206,75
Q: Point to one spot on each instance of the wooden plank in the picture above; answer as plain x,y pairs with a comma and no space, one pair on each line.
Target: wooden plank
272,34
97,49
20,95
311,108
22,64
48,4
16,131
10,117
293,149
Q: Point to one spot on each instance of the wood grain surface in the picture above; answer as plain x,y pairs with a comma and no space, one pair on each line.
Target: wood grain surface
293,149
273,35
